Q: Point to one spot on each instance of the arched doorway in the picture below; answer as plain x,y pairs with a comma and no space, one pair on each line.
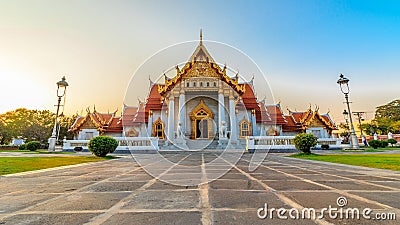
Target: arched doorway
202,122
158,129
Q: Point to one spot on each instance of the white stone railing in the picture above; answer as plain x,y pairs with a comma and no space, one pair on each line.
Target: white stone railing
284,142
124,143
137,143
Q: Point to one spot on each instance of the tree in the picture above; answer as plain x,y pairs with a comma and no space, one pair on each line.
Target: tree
387,119
304,142
389,111
32,125
5,133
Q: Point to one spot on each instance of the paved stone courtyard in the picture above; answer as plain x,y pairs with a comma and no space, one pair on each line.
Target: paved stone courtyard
121,192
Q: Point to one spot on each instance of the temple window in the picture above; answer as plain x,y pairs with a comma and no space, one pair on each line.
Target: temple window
208,84
194,84
201,84
245,129
215,84
187,84
158,129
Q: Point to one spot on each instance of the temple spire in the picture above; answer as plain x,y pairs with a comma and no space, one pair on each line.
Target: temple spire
201,36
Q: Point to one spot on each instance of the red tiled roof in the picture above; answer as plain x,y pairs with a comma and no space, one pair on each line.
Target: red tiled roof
262,115
105,122
291,124
154,99
249,98
141,115
276,114
300,120
329,121
127,115
114,126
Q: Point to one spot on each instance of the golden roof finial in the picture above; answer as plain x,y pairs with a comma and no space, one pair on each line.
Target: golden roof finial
201,36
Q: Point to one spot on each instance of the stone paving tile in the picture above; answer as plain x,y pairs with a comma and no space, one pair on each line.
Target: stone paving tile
370,178
114,186
350,185
40,219
82,201
387,198
318,177
291,185
132,177
155,218
160,185
238,199
164,200
393,184
56,196
11,203
236,184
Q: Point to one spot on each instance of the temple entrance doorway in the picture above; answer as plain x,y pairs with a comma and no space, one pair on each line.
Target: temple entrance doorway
201,122
202,129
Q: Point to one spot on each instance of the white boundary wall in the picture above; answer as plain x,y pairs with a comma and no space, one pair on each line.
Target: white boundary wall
285,142
124,143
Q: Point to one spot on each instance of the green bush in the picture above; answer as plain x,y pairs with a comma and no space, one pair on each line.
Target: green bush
33,145
383,144
22,147
378,144
392,141
304,142
374,143
102,145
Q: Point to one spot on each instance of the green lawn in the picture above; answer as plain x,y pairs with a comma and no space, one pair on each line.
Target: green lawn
380,161
21,164
39,151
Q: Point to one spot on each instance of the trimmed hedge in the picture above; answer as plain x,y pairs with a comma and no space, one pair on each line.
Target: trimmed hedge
102,145
378,144
33,145
304,142
392,141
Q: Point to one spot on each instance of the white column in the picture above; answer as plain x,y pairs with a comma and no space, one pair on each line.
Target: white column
253,122
150,124
171,127
232,117
182,110
221,110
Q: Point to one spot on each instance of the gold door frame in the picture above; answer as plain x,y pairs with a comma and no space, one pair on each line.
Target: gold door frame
200,112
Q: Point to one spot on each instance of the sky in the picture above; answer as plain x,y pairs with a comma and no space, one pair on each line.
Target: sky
300,46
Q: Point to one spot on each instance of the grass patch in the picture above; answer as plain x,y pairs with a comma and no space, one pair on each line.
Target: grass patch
10,165
47,152
8,150
380,161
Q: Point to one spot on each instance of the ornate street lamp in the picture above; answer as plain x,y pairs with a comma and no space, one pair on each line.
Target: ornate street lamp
344,87
61,89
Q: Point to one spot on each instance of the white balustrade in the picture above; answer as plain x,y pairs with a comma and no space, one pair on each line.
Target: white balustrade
124,143
284,142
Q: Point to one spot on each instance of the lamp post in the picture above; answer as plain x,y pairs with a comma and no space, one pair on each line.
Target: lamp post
344,87
346,118
61,88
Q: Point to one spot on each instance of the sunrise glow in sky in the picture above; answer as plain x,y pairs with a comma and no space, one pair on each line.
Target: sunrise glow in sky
300,46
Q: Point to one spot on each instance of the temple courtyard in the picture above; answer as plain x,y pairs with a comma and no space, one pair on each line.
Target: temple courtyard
120,191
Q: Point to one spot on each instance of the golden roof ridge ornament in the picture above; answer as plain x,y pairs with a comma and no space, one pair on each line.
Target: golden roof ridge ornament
201,36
